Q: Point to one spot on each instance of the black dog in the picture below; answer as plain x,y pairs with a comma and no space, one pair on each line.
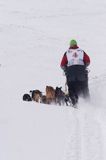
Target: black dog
61,98
27,97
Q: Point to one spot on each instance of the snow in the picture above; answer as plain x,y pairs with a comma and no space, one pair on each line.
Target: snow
33,37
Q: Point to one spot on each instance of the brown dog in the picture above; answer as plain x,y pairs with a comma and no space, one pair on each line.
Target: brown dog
50,95
36,95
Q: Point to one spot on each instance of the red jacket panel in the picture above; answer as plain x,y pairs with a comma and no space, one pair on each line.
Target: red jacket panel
86,59
64,61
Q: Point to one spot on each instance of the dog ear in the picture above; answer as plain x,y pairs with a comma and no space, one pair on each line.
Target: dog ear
60,87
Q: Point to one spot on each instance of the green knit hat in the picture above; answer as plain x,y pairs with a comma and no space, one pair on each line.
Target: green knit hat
73,42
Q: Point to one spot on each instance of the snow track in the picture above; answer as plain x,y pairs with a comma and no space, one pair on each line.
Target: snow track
93,144
73,145
84,140
91,136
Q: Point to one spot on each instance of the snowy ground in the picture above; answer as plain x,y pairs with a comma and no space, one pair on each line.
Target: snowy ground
33,37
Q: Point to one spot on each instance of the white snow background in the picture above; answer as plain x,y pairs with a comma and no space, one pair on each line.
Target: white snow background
34,34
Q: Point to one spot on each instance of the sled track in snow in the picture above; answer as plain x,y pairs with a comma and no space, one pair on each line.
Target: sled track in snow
93,141
73,143
84,140
91,138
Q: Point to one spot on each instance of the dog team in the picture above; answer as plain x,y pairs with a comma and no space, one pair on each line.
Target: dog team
52,96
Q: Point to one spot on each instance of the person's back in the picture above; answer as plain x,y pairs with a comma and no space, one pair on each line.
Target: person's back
74,63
